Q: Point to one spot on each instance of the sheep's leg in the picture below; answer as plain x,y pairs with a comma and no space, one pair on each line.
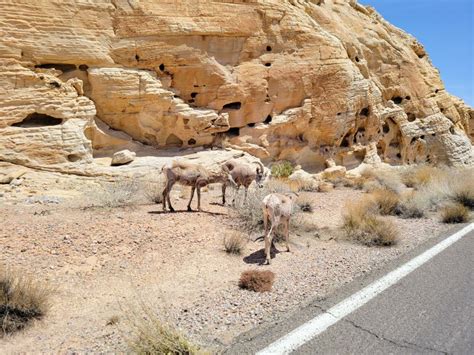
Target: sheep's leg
287,234
235,194
268,245
245,196
199,198
166,196
265,220
224,186
191,199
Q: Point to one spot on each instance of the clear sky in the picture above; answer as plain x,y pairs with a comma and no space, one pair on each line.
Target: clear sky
446,29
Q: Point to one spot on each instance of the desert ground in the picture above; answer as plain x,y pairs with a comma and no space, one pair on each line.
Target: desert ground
110,264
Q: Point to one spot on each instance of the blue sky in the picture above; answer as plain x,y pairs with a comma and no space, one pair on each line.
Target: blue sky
446,29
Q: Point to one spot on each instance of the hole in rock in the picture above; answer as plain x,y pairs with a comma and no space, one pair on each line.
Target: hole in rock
339,113
173,141
421,56
407,98
397,99
451,130
436,91
251,125
192,141
54,84
433,134
232,106
411,117
442,110
83,67
385,127
422,137
137,57
269,48
38,120
73,158
399,155
365,112
63,67
191,101
268,64
233,132
194,94
162,67
345,141
357,59
268,119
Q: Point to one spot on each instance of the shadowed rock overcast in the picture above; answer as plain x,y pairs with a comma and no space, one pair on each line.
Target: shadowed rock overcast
311,82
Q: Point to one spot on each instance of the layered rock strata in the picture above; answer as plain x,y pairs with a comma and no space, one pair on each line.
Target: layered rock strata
306,81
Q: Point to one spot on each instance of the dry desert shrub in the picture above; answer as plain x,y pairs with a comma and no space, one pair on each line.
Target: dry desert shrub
305,203
454,213
152,189
282,169
386,200
22,300
234,243
463,188
116,193
149,335
257,281
421,175
410,206
361,224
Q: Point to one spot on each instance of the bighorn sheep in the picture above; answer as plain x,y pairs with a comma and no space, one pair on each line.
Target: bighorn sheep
278,208
193,175
243,174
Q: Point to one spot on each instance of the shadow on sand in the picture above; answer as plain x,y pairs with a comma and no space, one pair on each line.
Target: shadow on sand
258,257
186,211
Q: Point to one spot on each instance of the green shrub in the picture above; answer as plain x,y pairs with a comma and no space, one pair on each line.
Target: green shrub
282,170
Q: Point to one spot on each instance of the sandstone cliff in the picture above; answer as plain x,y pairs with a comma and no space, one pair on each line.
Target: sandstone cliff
309,81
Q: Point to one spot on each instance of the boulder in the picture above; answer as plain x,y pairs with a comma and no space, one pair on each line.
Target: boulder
123,157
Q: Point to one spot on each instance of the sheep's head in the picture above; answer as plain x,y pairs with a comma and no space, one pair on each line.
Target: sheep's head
261,175
226,176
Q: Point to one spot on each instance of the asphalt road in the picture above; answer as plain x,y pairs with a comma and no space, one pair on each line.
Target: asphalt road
430,311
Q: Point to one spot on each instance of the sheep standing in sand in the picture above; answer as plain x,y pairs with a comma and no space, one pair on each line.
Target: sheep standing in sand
243,174
278,208
193,175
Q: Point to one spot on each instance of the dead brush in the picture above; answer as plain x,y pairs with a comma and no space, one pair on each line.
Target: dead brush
257,281
463,188
234,243
152,190
454,213
22,300
386,200
361,224
150,335
305,203
420,175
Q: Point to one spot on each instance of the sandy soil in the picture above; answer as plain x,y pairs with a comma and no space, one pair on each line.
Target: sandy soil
105,261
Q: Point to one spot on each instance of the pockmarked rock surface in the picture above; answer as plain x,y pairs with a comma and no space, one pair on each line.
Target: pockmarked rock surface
298,80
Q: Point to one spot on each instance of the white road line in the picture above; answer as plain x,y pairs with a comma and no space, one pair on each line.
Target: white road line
319,324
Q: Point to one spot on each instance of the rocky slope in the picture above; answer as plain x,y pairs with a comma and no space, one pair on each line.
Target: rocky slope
310,81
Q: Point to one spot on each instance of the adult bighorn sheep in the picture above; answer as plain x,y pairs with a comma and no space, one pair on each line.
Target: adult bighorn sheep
194,175
278,208
243,174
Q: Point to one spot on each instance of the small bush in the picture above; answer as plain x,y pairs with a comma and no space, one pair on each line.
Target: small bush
151,336
153,190
410,207
361,224
258,281
21,300
305,203
116,193
463,188
454,213
386,200
234,243
420,175
282,170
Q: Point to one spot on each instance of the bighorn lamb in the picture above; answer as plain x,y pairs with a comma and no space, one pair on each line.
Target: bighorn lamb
243,174
278,208
194,175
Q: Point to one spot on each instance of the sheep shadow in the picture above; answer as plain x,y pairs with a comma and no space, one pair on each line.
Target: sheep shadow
186,211
258,257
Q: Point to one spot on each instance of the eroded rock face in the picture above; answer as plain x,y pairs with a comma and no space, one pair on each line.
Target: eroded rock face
305,81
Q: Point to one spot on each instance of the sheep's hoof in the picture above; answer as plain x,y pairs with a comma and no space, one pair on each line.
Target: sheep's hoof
171,209
189,209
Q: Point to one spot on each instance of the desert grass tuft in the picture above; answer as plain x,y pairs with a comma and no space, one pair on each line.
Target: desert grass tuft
361,224
150,335
257,281
387,201
234,243
305,203
22,300
454,213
